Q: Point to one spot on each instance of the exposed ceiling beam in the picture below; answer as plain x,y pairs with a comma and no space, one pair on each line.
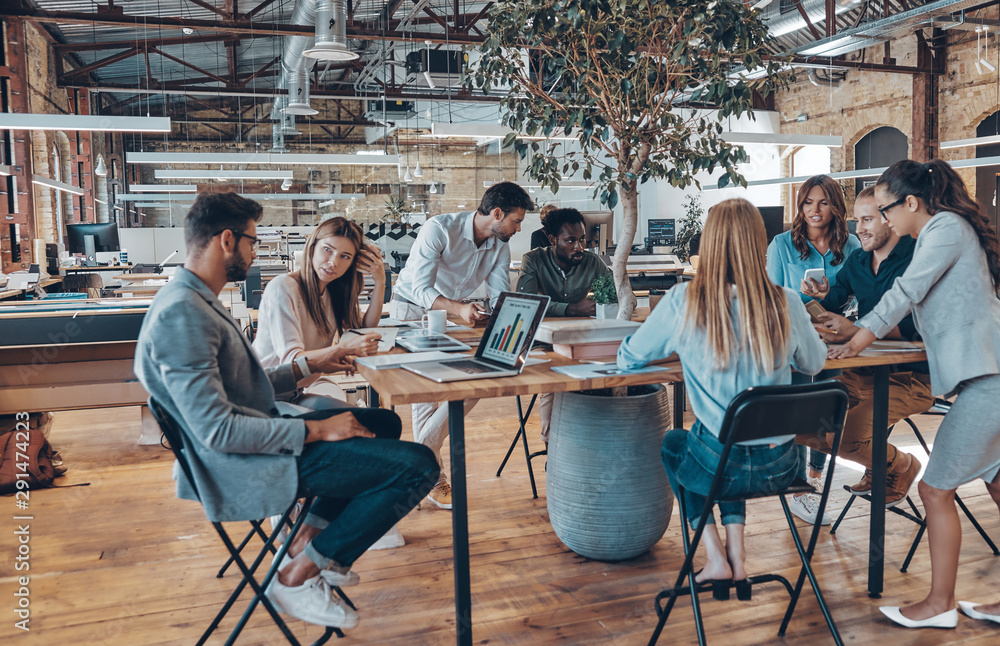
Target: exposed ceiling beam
124,44
230,27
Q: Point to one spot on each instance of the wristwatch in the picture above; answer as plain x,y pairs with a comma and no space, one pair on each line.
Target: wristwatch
300,361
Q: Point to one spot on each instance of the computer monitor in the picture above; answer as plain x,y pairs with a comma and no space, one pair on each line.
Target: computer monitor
600,229
88,239
661,233
774,220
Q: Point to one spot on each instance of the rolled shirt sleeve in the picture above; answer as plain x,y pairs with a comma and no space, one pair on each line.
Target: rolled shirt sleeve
498,279
425,256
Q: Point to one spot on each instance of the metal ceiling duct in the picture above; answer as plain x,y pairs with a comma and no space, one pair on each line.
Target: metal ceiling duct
295,66
942,14
782,19
331,33
298,93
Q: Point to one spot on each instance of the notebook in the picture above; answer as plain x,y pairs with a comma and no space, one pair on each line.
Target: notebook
504,347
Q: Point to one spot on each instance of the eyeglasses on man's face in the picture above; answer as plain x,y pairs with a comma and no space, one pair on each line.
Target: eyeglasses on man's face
254,242
883,209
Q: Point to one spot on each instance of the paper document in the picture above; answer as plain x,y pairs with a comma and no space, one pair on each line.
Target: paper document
893,346
385,344
592,370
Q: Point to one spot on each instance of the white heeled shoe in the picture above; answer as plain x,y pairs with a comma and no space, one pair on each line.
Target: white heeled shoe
947,619
968,608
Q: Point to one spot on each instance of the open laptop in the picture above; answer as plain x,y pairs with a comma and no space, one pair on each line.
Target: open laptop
504,348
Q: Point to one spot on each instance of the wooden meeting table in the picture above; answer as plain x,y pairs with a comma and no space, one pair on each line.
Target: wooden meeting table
398,387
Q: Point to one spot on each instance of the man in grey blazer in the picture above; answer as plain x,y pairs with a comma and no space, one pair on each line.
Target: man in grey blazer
247,461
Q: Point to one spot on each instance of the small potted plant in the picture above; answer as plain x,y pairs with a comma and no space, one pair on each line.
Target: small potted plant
605,297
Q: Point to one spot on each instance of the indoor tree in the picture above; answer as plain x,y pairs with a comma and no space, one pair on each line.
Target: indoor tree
639,85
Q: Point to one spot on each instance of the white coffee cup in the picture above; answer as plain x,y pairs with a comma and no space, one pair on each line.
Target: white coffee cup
435,322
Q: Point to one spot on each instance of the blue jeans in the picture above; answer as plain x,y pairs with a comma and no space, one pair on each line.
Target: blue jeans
363,486
691,458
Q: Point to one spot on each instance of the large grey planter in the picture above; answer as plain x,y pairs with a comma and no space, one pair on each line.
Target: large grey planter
607,493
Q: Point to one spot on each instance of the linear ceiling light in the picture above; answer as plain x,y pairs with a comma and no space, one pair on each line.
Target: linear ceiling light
487,184
221,174
263,158
10,121
782,139
776,181
53,184
486,131
977,141
162,188
145,197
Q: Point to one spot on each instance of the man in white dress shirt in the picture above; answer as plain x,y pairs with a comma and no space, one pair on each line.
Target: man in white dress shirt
454,254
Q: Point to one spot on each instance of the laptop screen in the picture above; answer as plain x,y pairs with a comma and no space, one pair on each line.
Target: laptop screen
512,328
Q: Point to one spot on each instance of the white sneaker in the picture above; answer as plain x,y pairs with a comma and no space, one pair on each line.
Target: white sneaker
331,577
818,482
313,601
283,534
806,507
392,538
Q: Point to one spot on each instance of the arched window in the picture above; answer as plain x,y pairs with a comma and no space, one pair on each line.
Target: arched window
988,177
879,148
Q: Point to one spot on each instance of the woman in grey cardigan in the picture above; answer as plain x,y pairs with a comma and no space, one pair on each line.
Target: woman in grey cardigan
951,289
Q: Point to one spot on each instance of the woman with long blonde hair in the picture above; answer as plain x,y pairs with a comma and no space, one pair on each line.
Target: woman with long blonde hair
305,312
732,329
310,309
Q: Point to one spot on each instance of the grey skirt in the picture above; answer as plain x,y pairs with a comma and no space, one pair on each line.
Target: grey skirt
967,446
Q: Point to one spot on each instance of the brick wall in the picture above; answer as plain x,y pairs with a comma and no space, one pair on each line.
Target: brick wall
868,100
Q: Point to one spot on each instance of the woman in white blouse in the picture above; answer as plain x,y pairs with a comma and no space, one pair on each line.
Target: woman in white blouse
308,310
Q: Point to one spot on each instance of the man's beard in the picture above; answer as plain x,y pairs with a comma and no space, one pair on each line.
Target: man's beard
499,233
878,241
237,269
569,260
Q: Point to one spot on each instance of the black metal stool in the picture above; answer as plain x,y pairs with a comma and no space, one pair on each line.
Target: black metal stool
174,435
757,413
522,418
940,407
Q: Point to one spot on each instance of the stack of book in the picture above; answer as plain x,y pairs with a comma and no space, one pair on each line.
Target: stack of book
585,338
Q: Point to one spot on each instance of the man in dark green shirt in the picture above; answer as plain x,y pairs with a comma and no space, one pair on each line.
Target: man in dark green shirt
563,271
869,273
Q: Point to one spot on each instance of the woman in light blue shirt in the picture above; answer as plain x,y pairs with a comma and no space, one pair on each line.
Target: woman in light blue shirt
725,348
818,239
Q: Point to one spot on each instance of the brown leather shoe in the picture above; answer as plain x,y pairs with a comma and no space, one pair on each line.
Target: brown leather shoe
865,485
901,474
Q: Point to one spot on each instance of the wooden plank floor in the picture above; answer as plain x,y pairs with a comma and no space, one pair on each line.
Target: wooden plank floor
122,561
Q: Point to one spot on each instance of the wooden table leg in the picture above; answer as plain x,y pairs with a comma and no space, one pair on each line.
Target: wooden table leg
880,436
460,523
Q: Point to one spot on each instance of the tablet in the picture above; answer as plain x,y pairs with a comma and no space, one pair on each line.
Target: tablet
418,341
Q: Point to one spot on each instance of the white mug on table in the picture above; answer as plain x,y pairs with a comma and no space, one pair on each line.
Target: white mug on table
435,322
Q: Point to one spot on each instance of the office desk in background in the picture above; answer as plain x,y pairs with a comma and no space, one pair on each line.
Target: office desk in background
65,355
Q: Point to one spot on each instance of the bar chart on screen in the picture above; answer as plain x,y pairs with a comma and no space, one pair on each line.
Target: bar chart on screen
509,331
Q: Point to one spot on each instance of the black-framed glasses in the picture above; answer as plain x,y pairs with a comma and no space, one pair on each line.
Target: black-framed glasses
883,209
254,242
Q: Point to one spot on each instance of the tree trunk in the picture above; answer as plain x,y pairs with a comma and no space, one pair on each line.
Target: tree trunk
630,219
